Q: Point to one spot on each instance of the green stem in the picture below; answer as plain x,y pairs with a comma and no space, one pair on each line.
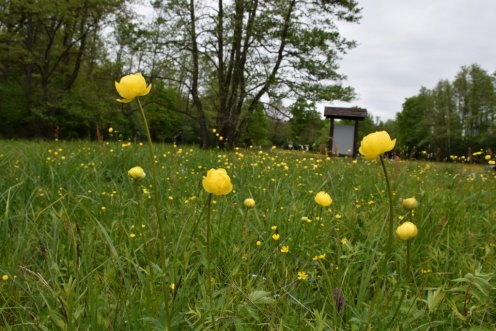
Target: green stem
163,262
389,242
209,262
388,327
245,219
407,267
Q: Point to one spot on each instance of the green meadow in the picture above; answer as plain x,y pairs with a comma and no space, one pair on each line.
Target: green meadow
80,246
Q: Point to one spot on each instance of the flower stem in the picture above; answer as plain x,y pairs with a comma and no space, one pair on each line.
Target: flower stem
407,267
209,261
389,242
163,262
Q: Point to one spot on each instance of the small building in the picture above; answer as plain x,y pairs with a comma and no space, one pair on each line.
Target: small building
343,138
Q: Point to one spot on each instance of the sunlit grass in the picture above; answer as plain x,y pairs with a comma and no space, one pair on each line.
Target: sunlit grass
75,252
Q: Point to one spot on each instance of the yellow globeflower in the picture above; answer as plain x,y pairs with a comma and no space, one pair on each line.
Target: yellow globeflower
302,275
323,199
406,231
132,86
376,144
410,203
217,182
249,203
136,173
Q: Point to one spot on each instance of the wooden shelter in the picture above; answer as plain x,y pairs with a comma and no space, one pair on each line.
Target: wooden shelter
347,136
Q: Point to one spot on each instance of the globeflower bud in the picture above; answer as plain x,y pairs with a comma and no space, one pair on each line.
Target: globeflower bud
217,182
136,173
323,199
249,203
406,231
410,203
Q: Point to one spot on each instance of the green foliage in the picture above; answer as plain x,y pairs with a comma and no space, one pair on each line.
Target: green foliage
453,118
306,123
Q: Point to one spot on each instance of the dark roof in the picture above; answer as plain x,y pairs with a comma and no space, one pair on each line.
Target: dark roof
345,113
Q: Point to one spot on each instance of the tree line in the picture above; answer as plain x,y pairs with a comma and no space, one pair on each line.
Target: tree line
453,118
226,65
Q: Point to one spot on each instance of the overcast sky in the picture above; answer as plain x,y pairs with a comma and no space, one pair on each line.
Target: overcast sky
404,45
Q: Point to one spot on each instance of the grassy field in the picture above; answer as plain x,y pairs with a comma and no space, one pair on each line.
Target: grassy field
80,244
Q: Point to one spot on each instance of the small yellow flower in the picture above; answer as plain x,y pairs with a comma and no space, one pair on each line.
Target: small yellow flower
410,203
132,86
487,157
274,227
406,231
5,278
172,286
136,173
284,249
110,130
249,203
376,144
323,199
302,275
259,243
217,182
276,236
214,130
132,235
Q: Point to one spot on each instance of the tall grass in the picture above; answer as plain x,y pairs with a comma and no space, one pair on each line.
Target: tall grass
78,254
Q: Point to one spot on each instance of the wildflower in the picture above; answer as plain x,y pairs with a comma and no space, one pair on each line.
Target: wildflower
319,257
376,144
323,199
406,231
5,278
302,275
274,227
259,243
338,297
217,182
410,203
249,203
276,236
487,157
172,286
344,241
136,173
132,86
132,235
284,249
110,130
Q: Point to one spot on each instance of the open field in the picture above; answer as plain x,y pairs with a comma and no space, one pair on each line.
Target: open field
80,242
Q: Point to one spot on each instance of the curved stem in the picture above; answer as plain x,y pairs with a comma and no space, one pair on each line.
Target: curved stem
156,196
389,242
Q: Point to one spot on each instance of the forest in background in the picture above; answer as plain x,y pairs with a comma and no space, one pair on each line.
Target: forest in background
253,71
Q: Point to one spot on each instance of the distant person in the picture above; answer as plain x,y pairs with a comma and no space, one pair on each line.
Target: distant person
56,132
178,138
137,136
